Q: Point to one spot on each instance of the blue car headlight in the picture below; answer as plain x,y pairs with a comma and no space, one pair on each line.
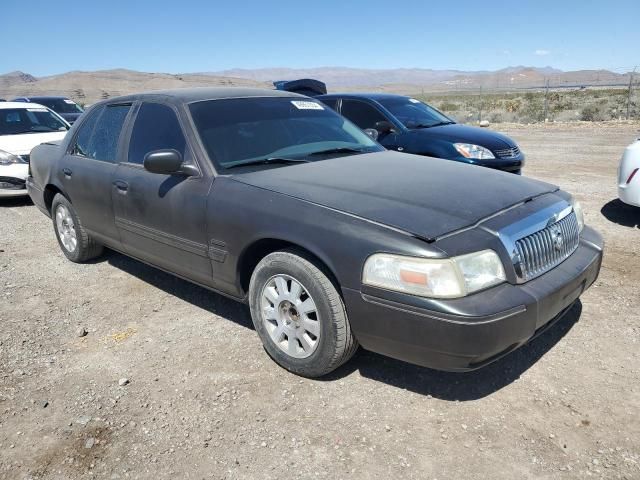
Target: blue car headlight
470,150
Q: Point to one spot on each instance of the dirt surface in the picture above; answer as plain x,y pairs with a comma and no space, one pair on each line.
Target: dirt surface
171,381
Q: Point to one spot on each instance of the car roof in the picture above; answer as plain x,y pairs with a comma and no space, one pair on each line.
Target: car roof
370,96
7,105
198,94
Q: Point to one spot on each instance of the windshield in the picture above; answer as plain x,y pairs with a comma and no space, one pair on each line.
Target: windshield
415,114
14,121
245,130
59,105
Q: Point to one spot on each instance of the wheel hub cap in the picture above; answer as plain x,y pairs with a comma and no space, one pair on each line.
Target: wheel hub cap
290,316
66,228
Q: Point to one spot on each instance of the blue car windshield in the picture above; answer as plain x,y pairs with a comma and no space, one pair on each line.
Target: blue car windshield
240,131
413,113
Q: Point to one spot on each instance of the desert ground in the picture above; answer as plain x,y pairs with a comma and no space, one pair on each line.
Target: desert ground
116,370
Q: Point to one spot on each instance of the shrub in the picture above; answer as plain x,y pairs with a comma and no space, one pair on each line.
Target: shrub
448,107
590,113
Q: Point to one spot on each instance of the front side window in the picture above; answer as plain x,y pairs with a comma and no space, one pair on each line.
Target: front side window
15,121
242,131
332,102
415,114
361,113
99,134
156,128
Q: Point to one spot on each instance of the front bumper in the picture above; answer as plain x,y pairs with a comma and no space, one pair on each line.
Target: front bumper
630,193
513,315
510,165
12,180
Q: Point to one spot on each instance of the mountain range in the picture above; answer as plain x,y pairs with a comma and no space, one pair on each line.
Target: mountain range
89,87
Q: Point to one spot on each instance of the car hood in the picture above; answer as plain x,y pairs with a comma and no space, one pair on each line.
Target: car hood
23,143
466,134
424,196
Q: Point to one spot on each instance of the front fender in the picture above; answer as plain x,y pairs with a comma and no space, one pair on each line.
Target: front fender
238,215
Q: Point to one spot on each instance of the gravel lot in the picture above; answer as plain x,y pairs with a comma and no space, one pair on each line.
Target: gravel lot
171,381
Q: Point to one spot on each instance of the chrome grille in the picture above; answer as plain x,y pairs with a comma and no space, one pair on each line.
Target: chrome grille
546,248
507,152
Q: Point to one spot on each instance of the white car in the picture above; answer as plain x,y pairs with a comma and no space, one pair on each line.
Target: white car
629,175
22,127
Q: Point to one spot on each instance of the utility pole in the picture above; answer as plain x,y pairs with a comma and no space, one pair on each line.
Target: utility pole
546,100
630,90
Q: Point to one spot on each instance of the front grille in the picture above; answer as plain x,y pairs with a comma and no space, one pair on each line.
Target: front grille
546,248
507,152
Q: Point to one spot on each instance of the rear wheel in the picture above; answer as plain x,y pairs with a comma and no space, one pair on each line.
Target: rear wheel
76,244
299,315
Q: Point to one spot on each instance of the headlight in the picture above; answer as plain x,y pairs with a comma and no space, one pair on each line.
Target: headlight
577,208
7,158
469,150
435,278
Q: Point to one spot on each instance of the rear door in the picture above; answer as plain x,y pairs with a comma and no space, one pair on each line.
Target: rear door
161,218
86,171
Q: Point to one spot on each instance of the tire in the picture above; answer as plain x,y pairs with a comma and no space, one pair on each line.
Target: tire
76,244
286,322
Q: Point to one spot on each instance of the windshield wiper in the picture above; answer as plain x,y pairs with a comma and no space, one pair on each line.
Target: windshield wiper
429,125
338,150
268,161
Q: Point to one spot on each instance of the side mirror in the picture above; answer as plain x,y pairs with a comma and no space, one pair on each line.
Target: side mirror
383,127
167,162
372,132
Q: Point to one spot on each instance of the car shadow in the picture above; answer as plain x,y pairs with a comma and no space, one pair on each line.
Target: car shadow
23,201
619,212
460,386
184,290
424,381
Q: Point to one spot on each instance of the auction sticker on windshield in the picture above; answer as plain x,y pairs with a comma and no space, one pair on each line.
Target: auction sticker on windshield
302,105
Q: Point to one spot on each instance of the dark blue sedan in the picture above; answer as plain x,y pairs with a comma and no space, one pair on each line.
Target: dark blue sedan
411,126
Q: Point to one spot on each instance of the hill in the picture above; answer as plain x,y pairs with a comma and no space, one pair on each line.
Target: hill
89,87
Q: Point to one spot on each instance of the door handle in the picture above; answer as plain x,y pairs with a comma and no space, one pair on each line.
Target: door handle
121,186
67,172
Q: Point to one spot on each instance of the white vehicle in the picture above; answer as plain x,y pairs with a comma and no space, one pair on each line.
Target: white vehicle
22,127
629,175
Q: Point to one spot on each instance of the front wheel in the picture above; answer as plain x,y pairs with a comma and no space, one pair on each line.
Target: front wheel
76,244
299,315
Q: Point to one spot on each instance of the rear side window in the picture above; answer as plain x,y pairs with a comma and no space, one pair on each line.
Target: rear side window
156,128
361,113
99,135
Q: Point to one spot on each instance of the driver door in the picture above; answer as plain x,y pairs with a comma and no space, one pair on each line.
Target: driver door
365,115
161,218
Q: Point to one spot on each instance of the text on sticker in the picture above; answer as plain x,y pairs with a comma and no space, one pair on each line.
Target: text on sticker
302,105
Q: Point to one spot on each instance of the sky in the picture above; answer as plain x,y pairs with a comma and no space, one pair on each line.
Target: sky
48,37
